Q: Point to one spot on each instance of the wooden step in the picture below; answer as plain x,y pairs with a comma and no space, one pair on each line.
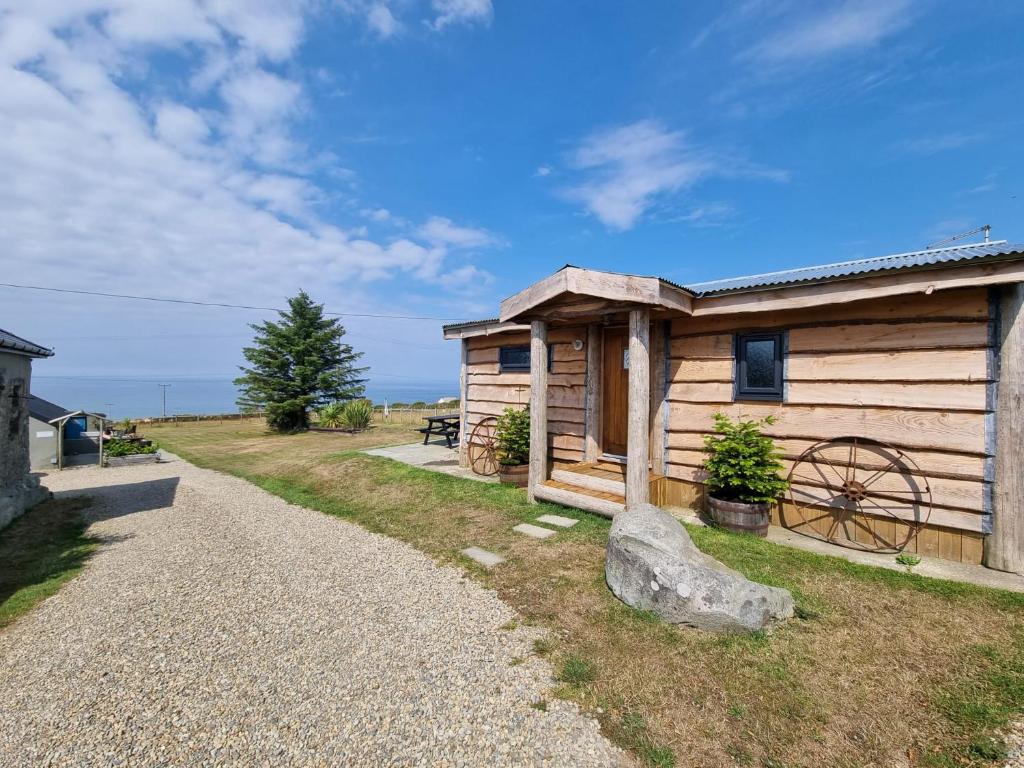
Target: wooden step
604,504
593,480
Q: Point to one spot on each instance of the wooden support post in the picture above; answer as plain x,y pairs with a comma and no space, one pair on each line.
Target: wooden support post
463,409
638,434
1004,546
538,406
659,408
592,404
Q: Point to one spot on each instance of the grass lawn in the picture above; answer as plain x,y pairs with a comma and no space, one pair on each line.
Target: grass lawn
881,668
39,552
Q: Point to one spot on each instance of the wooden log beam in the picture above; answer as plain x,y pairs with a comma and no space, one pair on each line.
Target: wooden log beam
538,406
463,405
638,434
659,408
592,405
1004,547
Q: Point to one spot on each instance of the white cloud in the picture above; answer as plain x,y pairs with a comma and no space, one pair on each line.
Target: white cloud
930,145
451,12
104,186
626,170
181,127
376,214
442,232
380,19
845,26
543,170
712,214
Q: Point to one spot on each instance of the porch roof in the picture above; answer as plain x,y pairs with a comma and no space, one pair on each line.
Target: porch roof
582,292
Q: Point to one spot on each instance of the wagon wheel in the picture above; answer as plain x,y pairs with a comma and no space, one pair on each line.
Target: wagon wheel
482,444
859,493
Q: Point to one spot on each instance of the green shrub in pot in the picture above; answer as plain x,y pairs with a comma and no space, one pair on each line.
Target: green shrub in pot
512,447
743,479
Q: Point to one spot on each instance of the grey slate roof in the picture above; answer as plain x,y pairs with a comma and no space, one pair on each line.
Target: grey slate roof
9,341
44,410
826,272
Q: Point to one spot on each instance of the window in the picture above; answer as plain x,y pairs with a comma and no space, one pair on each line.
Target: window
517,358
759,366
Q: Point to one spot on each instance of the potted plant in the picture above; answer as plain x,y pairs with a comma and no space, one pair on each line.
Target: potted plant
743,475
512,446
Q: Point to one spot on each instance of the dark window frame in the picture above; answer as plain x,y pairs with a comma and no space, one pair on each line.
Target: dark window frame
504,367
741,390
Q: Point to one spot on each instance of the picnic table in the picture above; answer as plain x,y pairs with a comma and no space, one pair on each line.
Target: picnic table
446,426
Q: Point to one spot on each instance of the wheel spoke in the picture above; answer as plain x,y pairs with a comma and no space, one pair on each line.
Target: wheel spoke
886,511
817,467
878,474
834,469
812,480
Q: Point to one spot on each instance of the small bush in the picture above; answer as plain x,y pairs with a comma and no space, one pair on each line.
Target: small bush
743,464
330,415
513,437
119,447
356,414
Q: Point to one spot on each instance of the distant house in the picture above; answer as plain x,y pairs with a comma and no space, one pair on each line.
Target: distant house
42,435
19,488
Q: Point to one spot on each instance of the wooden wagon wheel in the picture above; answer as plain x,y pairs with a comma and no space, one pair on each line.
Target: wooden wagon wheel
859,493
483,459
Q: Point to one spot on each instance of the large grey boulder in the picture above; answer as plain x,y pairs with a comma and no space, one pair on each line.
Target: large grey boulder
652,564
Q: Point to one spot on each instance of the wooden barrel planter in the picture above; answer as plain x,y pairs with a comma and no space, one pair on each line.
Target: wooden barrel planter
517,475
740,517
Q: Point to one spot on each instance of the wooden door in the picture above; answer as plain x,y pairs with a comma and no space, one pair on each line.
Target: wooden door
615,392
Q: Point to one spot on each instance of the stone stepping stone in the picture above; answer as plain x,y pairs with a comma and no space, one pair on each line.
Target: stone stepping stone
482,556
535,531
558,520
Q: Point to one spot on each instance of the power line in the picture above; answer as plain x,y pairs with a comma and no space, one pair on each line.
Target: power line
356,336
218,304
208,379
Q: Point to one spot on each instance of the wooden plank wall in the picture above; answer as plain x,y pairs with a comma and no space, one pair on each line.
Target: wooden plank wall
489,391
912,371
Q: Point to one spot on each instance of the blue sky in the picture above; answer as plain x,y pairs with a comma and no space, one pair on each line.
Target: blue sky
429,157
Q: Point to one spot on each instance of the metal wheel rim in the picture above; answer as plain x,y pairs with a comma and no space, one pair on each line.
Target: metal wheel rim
858,499
483,459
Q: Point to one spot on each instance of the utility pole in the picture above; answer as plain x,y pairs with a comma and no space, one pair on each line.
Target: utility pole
164,388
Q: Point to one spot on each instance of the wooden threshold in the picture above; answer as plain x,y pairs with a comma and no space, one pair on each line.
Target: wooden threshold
604,504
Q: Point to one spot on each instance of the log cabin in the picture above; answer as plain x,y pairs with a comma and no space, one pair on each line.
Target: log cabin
900,374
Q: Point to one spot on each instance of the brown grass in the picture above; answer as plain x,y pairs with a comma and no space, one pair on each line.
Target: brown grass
883,668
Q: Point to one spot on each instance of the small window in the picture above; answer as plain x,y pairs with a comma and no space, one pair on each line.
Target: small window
517,358
759,366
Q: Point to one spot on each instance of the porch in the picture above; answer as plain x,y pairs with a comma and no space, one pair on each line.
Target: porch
598,486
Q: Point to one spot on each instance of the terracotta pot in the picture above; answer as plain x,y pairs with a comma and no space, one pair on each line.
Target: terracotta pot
740,517
515,474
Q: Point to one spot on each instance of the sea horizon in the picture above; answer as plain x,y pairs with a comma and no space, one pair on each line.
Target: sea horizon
140,398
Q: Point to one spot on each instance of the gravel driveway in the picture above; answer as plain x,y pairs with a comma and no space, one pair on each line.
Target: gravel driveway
220,625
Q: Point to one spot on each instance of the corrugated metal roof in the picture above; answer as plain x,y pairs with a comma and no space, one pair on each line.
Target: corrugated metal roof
824,272
9,341
466,323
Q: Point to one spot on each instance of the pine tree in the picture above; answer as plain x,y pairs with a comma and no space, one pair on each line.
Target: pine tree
298,363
